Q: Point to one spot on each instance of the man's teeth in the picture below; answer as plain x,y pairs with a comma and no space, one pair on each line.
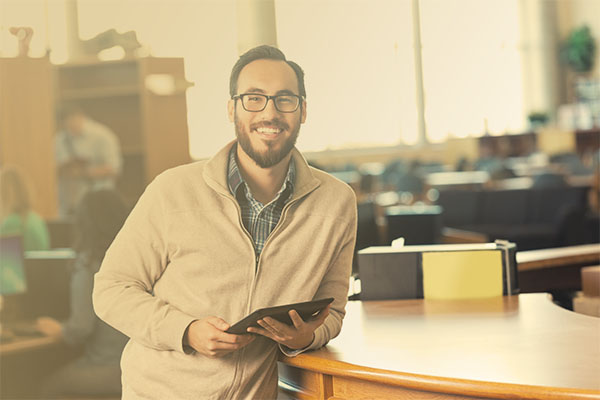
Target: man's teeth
268,130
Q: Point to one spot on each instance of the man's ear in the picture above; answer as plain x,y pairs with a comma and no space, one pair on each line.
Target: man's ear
231,110
303,116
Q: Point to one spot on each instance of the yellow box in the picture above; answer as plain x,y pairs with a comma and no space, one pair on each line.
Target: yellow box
462,274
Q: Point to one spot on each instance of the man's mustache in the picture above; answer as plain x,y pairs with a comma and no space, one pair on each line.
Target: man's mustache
270,124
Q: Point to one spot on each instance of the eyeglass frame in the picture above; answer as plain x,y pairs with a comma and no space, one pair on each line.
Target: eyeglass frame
272,98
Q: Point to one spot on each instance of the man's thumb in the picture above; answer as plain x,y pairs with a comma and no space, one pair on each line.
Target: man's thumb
218,323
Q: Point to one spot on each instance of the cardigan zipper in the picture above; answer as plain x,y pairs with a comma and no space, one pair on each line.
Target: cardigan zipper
286,207
239,355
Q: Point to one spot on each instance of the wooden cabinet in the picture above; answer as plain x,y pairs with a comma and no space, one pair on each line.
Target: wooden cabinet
143,101
27,126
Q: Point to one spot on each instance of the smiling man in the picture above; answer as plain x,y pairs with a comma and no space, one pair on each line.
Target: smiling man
211,241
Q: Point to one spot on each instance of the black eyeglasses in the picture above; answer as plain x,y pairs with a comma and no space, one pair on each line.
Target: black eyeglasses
254,102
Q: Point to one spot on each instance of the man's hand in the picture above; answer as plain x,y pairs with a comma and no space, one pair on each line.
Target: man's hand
49,326
207,336
298,336
75,168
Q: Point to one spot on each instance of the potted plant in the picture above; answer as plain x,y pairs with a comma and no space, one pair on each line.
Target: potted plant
537,119
579,50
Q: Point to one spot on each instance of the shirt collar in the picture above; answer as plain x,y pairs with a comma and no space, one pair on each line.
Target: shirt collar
234,177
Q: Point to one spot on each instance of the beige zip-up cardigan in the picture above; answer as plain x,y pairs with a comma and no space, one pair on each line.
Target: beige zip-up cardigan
184,254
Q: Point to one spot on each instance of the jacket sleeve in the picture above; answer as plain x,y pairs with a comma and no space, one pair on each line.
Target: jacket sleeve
336,280
123,288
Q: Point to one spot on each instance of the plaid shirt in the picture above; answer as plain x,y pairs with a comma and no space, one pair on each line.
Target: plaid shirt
259,219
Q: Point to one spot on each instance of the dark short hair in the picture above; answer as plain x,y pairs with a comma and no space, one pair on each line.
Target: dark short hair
98,218
65,111
263,52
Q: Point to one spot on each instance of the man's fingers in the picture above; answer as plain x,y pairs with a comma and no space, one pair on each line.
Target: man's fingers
230,338
269,327
218,345
218,323
220,335
324,313
262,332
296,319
278,328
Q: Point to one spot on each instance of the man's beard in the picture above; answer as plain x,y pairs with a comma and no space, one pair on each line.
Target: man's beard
271,156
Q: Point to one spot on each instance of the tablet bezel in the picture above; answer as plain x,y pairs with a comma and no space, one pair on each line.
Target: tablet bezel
306,309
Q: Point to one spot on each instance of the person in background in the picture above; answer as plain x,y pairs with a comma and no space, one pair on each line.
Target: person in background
16,214
592,215
412,181
99,217
88,157
594,193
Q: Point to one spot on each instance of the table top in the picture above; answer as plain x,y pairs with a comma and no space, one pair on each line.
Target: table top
519,346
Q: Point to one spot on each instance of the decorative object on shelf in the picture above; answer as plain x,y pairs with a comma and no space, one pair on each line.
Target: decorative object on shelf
23,34
110,38
579,50
537,119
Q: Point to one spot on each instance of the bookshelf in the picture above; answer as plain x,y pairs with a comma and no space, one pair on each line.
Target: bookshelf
151,126
27,127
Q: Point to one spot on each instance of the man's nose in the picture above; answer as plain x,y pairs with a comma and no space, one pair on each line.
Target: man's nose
270,108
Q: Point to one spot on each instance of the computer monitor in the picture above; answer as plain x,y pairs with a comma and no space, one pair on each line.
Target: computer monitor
48,275
12,271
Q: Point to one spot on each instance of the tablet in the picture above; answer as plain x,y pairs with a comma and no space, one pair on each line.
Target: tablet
307,311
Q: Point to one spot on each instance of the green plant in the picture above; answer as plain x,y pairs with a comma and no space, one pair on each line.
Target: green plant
537,117
579,50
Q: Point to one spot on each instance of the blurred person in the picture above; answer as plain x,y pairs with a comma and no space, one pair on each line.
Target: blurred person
211,241
16,214
463,164
98,218
412,181
549,179
592,215
488,160
594,193
498,176
88,157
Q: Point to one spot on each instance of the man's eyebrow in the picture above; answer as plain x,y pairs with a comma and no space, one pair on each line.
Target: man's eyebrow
285,91
254,90
258,90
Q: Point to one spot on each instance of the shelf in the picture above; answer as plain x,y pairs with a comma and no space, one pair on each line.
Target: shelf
77,94
93,62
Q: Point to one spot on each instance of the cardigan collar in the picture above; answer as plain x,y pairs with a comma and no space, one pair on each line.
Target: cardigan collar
215,173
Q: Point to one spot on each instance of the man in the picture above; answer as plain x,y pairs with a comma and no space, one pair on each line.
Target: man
210,242
88,158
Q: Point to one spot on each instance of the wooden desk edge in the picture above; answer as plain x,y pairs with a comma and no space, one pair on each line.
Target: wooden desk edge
308,361
29,344
534,259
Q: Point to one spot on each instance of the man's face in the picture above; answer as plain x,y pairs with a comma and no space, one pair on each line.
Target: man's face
267,136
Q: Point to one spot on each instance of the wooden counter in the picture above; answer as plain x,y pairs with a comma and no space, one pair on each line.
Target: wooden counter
520,347
588,254
555,269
